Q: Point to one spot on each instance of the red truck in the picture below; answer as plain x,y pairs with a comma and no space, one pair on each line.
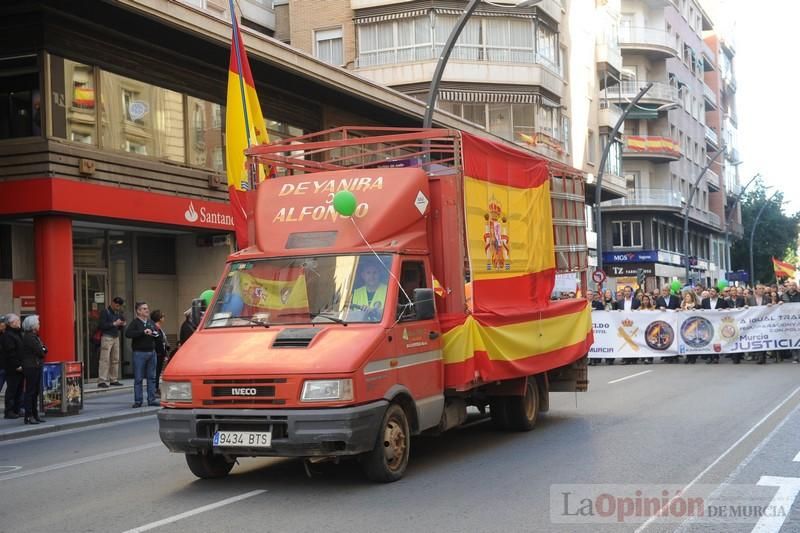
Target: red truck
338,335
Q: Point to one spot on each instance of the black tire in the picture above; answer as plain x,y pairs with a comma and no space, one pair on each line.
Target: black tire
388,460
497,410
523,411
208,466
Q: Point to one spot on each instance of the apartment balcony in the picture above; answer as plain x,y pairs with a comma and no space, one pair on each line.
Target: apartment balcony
710,97
613,186
651,41
647,198
732,188
609,56
712,178
652,148
609,115
465,66
660,93
709,60
706,217
711,137
736,229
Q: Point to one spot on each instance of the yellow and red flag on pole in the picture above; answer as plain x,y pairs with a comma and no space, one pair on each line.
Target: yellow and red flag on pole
244,126
782,269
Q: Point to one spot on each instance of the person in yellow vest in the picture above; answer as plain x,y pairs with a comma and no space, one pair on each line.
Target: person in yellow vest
371,296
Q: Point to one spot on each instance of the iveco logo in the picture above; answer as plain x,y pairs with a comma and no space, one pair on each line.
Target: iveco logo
243,391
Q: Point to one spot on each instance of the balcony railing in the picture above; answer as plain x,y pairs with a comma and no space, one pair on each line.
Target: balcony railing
647,38
711,135
709,94
706,216
627,90
647,197
713,179
652,145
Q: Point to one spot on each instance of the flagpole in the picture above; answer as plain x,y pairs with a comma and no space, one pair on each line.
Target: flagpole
237,38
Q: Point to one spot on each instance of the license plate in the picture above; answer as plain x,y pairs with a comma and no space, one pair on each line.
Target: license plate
243,439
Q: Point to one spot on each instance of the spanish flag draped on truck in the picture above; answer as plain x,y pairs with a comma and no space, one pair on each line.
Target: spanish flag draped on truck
514,329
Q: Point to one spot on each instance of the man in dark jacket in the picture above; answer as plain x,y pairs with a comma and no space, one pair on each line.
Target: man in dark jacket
2,358
187,328
12,354
667,300
628,302
111,322
713,302
143,334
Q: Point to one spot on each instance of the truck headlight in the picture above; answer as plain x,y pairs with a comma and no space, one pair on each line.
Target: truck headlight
177,391
321,390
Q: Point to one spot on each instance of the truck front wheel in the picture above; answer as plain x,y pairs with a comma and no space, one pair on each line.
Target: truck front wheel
388,460
208,466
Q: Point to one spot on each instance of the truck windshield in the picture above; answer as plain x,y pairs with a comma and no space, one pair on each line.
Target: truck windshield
302,290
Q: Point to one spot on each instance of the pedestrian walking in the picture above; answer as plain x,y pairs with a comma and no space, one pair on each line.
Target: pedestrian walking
690,302
646,304
162,346
143,334
609,304
12,353
33,352
187,328
713,302
111,323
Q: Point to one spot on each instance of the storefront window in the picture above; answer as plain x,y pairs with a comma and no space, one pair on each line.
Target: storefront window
205,134
20,97
73,98
140,118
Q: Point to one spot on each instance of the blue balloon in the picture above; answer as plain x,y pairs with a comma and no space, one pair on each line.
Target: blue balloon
233,304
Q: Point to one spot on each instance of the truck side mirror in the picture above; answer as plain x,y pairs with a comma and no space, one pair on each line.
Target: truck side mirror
424,304
198,308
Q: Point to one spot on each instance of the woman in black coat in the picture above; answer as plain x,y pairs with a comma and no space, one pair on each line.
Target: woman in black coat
33,352
12,352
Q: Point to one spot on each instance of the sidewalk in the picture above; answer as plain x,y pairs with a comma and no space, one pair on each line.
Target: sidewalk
99,406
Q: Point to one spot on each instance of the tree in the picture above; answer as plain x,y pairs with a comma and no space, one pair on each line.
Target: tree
775,233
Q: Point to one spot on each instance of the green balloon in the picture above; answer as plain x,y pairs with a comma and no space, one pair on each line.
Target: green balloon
721,284
344,202
206,296
676,286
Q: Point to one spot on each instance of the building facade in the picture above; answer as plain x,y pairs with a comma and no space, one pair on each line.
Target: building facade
112,177
676,131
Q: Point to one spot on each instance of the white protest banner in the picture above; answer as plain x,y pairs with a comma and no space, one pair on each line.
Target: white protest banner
621,334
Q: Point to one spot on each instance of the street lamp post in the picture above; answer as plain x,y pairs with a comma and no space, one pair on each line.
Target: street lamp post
688,206
728,221
601,171
753,234
433,91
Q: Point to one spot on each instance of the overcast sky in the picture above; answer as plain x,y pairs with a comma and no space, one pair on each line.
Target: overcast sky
767,34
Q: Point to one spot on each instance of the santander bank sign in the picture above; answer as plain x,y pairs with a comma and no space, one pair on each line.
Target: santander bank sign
213,216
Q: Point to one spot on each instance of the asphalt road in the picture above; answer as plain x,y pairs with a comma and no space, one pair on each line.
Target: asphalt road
728,432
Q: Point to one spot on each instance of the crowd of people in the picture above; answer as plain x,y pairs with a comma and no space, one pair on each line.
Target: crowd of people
22,355
698,297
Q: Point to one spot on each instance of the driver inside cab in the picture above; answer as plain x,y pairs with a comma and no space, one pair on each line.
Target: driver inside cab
370,296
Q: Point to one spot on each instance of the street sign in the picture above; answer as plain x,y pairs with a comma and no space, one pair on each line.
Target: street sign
598,276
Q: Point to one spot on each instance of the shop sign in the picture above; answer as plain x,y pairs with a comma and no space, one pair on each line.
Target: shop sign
643,256
616,271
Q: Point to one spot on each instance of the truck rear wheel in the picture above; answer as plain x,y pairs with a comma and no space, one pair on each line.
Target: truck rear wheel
523,411
388,460
208,466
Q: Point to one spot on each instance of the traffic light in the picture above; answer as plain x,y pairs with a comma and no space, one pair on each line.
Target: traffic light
640,277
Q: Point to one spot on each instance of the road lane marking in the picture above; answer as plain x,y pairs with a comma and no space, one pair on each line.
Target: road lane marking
629,377
788,488
193,512
796,458
717,460
81,461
